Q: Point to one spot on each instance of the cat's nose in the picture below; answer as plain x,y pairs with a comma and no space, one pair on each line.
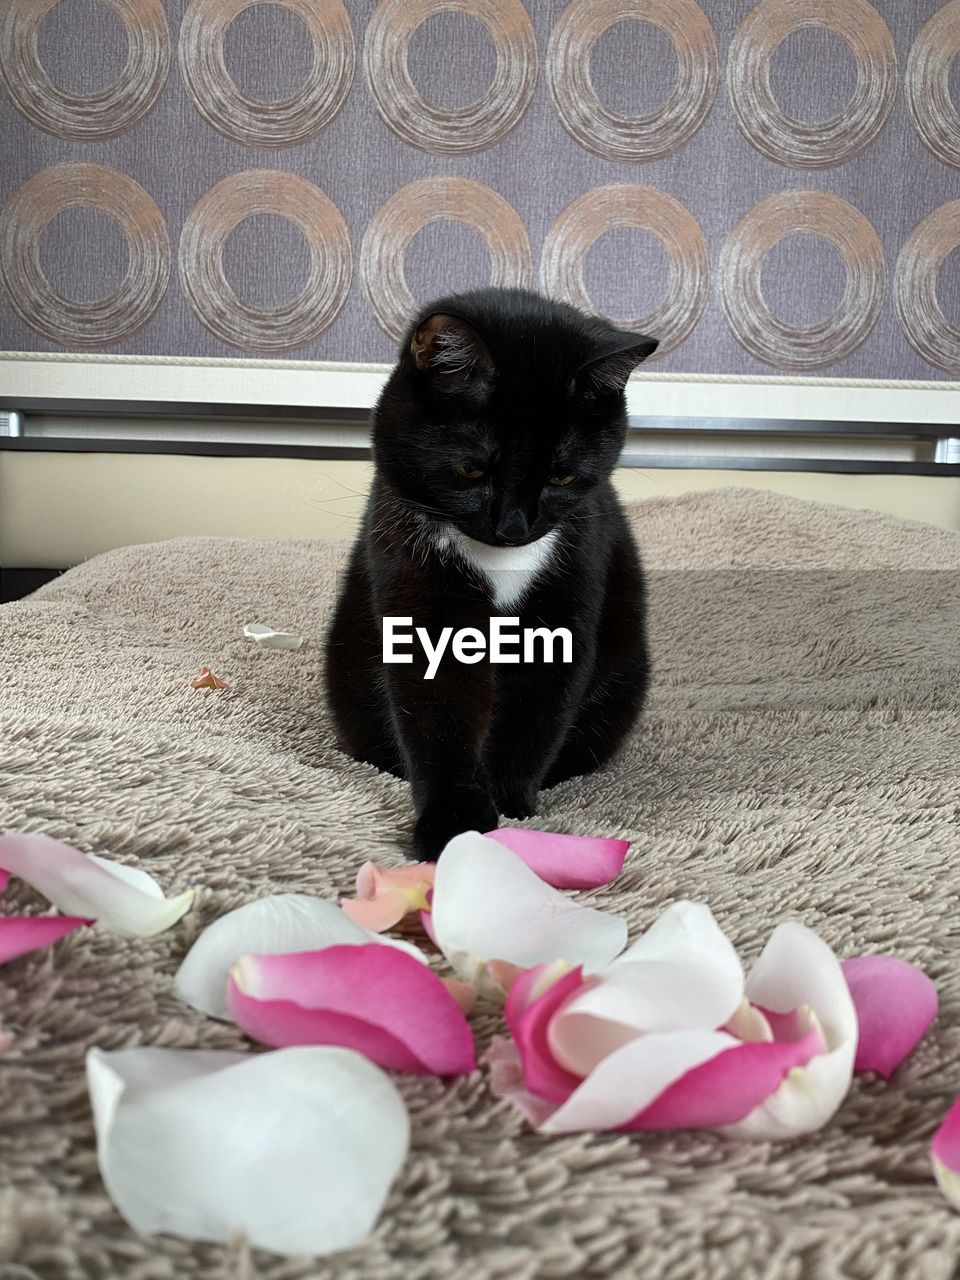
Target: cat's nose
513,527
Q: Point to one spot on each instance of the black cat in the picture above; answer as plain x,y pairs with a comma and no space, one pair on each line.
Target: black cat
494,440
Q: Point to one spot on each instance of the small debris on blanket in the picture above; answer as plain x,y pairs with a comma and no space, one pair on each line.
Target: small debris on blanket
271,639
207,680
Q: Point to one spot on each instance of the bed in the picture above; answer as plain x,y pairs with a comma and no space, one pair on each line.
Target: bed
798,758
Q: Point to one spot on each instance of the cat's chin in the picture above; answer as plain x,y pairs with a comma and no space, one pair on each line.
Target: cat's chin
463,538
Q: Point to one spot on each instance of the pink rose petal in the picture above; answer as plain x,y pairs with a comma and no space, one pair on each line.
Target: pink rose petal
371,998
465,993
529,1010
723,1084
945,1154
565,861
4,877
503,974
20,934
729,1086
895,1003
426,919
506,1081
386,894
632,1078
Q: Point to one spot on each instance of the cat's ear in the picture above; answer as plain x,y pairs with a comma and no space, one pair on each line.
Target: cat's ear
610,367
452,352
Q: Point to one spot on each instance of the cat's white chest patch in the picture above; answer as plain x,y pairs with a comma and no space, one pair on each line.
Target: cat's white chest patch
508,570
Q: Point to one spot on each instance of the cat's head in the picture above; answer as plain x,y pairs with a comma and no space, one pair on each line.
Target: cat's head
504,411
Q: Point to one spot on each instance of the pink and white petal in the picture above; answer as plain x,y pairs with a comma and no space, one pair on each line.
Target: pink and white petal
730,1086
632,999
945,1155
532,1005
323,1134
682,974
506,1081
797,968
895,1004
565,861
282,1023
374,999
488,905
632,1077
21,934
806,1100
280,923
123,899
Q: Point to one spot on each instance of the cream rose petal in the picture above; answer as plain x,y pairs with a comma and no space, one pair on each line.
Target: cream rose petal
682,974
296,1149
271,639
488,905
123,899
797,969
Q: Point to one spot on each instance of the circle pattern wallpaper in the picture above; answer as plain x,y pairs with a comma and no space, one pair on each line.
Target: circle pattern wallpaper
318,171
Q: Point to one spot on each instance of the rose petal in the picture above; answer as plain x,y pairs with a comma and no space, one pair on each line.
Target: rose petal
945,1155
124,899
632,1077
270,639
426,921
506,1081
534,999
488,905
682,974
20,934
749,1023
4,877
731,1085
565,861
378,914
465,993
895,1003
207,680
504,975
371,998
296,1149
277,924
386,894
797,968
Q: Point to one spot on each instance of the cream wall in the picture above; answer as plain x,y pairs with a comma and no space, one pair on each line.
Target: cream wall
57,509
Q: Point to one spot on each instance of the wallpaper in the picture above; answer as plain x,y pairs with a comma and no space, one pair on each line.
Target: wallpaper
766,187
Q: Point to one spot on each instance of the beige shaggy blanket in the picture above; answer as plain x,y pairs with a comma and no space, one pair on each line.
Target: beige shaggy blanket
798,758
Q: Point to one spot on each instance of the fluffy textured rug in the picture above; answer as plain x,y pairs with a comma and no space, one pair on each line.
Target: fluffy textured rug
799,757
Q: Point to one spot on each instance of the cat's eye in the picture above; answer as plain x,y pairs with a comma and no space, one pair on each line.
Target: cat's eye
466,472
562,480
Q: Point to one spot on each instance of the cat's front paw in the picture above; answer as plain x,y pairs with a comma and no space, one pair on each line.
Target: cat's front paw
516,800
458,809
